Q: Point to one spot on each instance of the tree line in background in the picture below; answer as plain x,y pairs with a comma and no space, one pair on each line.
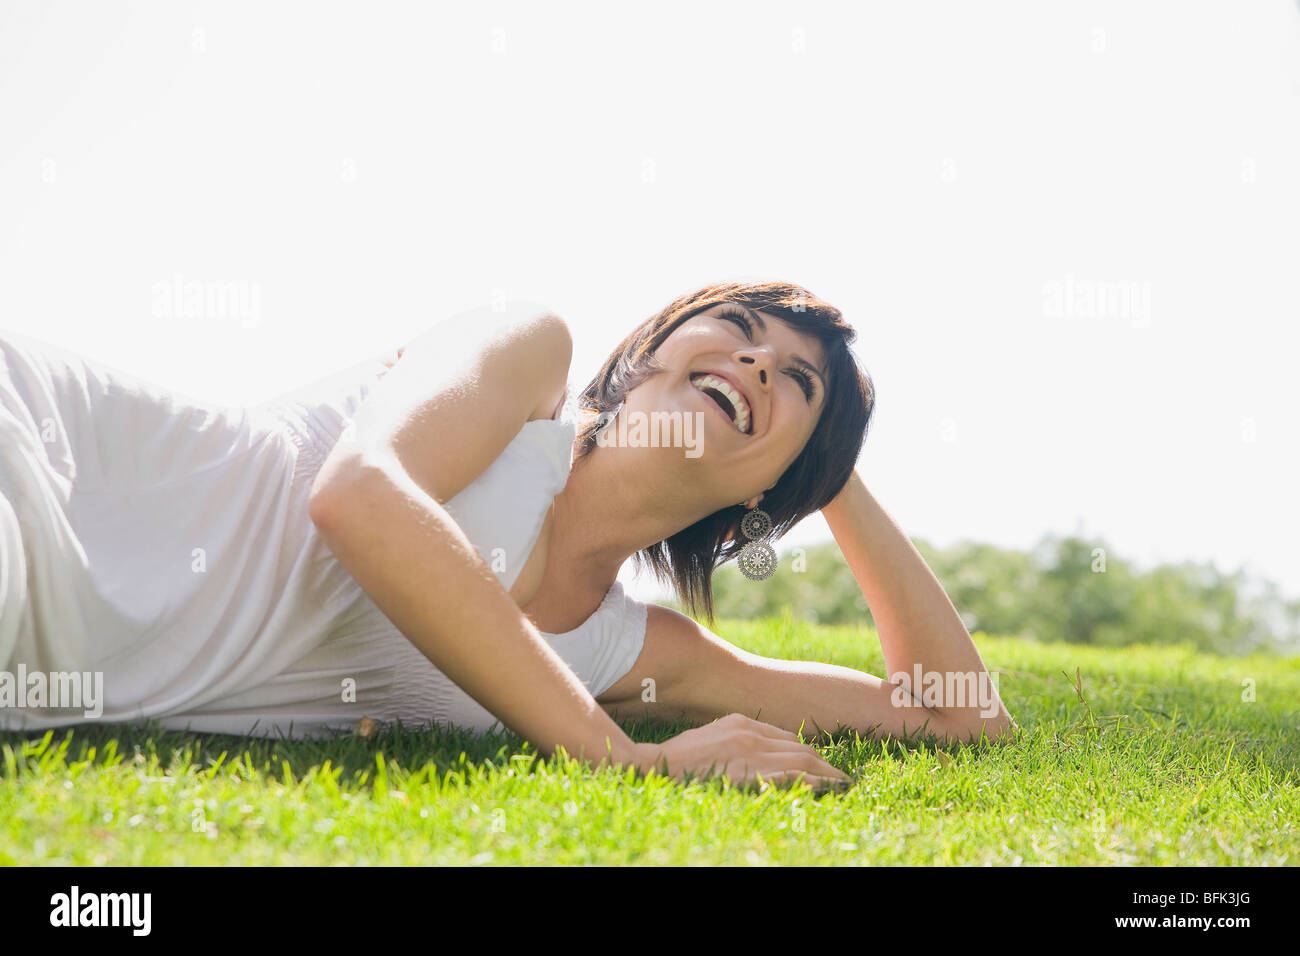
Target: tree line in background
1065,589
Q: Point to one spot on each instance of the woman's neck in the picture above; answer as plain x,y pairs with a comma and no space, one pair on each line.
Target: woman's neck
613,506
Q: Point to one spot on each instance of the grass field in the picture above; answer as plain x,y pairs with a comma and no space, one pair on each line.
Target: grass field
1153,758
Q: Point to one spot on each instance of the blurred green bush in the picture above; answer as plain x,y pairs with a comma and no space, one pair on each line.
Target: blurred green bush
1066,589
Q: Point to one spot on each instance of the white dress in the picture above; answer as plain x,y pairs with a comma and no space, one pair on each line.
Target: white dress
164,542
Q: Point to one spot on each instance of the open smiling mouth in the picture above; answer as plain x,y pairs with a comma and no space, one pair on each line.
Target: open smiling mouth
726,398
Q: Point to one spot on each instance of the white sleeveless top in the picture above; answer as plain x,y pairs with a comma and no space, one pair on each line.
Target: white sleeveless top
165,542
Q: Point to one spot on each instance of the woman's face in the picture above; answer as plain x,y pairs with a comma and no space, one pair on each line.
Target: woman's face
747,442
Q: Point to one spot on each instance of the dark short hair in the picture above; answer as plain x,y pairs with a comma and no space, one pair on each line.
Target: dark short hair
687,559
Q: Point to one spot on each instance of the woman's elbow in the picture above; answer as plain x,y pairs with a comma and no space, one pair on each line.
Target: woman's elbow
347,485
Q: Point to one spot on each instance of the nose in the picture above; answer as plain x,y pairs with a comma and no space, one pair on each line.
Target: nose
759,357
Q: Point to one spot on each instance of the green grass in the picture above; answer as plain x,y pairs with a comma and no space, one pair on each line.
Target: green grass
1158,761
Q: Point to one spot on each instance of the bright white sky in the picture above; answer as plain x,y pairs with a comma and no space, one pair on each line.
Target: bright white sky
958,178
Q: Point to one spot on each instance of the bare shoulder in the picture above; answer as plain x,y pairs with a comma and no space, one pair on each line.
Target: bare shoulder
521,320
454,399
523,340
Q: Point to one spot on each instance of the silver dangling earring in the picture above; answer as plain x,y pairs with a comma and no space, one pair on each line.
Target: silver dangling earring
605,419
757,559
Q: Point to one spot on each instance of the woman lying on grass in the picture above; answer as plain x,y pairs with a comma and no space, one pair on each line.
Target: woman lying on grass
788,444
438,537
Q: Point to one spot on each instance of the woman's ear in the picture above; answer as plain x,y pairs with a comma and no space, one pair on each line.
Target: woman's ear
752,502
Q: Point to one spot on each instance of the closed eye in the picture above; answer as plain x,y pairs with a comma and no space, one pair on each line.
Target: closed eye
740,318
799,375
805,382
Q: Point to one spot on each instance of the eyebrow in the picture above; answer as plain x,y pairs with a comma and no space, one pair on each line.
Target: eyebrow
798,359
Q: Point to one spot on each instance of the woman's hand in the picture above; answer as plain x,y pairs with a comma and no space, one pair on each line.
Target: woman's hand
742,749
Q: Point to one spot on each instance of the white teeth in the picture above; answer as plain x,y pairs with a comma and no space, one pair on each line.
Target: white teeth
741,420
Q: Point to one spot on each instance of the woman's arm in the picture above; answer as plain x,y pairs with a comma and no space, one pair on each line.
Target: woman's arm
923,638
698,675
427,430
